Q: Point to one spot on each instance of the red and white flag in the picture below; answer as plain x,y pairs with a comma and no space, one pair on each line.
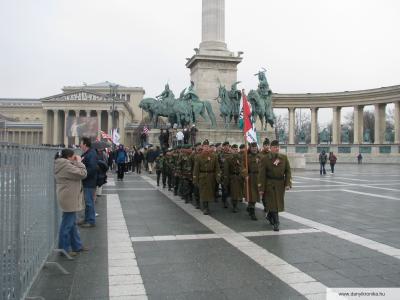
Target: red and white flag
105,136
249,128
145,130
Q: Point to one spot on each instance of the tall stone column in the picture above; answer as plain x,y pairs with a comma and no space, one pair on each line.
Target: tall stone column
98,112
56,128
358,124
77,112
110,122
380,123
66,140
314,125
291,125
45,126
213,25
336,125
397,122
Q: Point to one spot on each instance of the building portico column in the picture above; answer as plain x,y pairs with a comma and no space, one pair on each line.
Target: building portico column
380,123
121,126
336,125
66,140
314,125
291,125
358,124
45,126
56,128
397,122
77,112
110,124
98,112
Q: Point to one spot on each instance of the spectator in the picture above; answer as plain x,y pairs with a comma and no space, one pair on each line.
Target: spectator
186,135
69,172
179,137
332,161
359,158
102,168
322,161
89,159
151,157
138,158
166,139
193,133
120,159
161,138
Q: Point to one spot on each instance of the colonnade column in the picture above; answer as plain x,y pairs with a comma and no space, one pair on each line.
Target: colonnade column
77,112
336,125
358,124
44,128
314,125
98,123
380,123
56,127
397,122
110,123
291,125
121,126
66,114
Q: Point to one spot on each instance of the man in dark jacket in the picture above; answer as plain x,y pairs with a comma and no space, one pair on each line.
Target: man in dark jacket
89,159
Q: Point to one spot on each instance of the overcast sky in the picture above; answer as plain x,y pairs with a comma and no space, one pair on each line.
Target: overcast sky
306,45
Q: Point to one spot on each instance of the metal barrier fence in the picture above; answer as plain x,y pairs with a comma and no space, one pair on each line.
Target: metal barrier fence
29,215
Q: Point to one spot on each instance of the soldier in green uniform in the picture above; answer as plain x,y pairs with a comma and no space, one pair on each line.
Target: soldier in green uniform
175,175
159,162
168,169
205,175
242,151
264,152
185,171
274,179
223,155
233,179
252,176
195,154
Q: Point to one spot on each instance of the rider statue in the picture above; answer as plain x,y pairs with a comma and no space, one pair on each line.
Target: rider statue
266,95
166,94
235,95
189,93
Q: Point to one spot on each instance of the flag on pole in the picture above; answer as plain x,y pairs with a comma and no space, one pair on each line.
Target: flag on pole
247,121
145,130
116,137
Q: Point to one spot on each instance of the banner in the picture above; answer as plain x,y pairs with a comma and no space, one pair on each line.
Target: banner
82,126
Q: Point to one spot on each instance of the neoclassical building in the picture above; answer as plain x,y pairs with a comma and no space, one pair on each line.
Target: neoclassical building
46,120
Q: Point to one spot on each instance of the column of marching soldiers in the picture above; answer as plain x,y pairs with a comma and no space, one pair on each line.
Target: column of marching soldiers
200,173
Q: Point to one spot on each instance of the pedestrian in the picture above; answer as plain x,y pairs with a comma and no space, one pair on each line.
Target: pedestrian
359,158
161,138
89,159
102,168
332,161
159,162
322,161
206,174
179,137
274,178
69,172
193,133
138,159
151,157
233,179
120,158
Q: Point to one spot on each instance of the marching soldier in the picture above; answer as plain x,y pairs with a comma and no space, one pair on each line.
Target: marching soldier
274,178
194,157
223,155
233,179
185,171
168,169
205,175
252,176
264,152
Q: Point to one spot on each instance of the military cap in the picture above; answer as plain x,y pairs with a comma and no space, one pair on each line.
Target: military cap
266,142
275,143
253,144
242,146
225,143
197,144
217,144
187,146
234,146
206,142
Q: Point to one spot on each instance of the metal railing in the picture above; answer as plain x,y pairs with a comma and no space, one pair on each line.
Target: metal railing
29,215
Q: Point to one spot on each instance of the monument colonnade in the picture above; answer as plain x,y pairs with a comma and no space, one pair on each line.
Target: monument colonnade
379,98
55,123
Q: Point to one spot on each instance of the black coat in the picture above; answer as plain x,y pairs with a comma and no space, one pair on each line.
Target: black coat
89,159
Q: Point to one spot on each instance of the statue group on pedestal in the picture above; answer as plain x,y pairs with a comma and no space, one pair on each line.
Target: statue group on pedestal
182,111
188,108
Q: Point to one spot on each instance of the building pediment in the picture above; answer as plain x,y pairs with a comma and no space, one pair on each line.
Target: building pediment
82,95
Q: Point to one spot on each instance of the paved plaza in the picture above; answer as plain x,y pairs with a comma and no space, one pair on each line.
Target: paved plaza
340,230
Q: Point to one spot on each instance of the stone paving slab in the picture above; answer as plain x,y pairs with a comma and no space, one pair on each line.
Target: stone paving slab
213,268
333,261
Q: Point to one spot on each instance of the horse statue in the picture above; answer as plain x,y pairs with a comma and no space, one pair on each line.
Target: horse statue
226,106
257,106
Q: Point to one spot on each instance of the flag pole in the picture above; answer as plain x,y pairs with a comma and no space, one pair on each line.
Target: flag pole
246,164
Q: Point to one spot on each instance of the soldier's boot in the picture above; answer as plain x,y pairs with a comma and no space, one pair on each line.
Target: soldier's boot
270,219
265,205
190,197
234,204
206,210
186,198
197,203
276,221
252,214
